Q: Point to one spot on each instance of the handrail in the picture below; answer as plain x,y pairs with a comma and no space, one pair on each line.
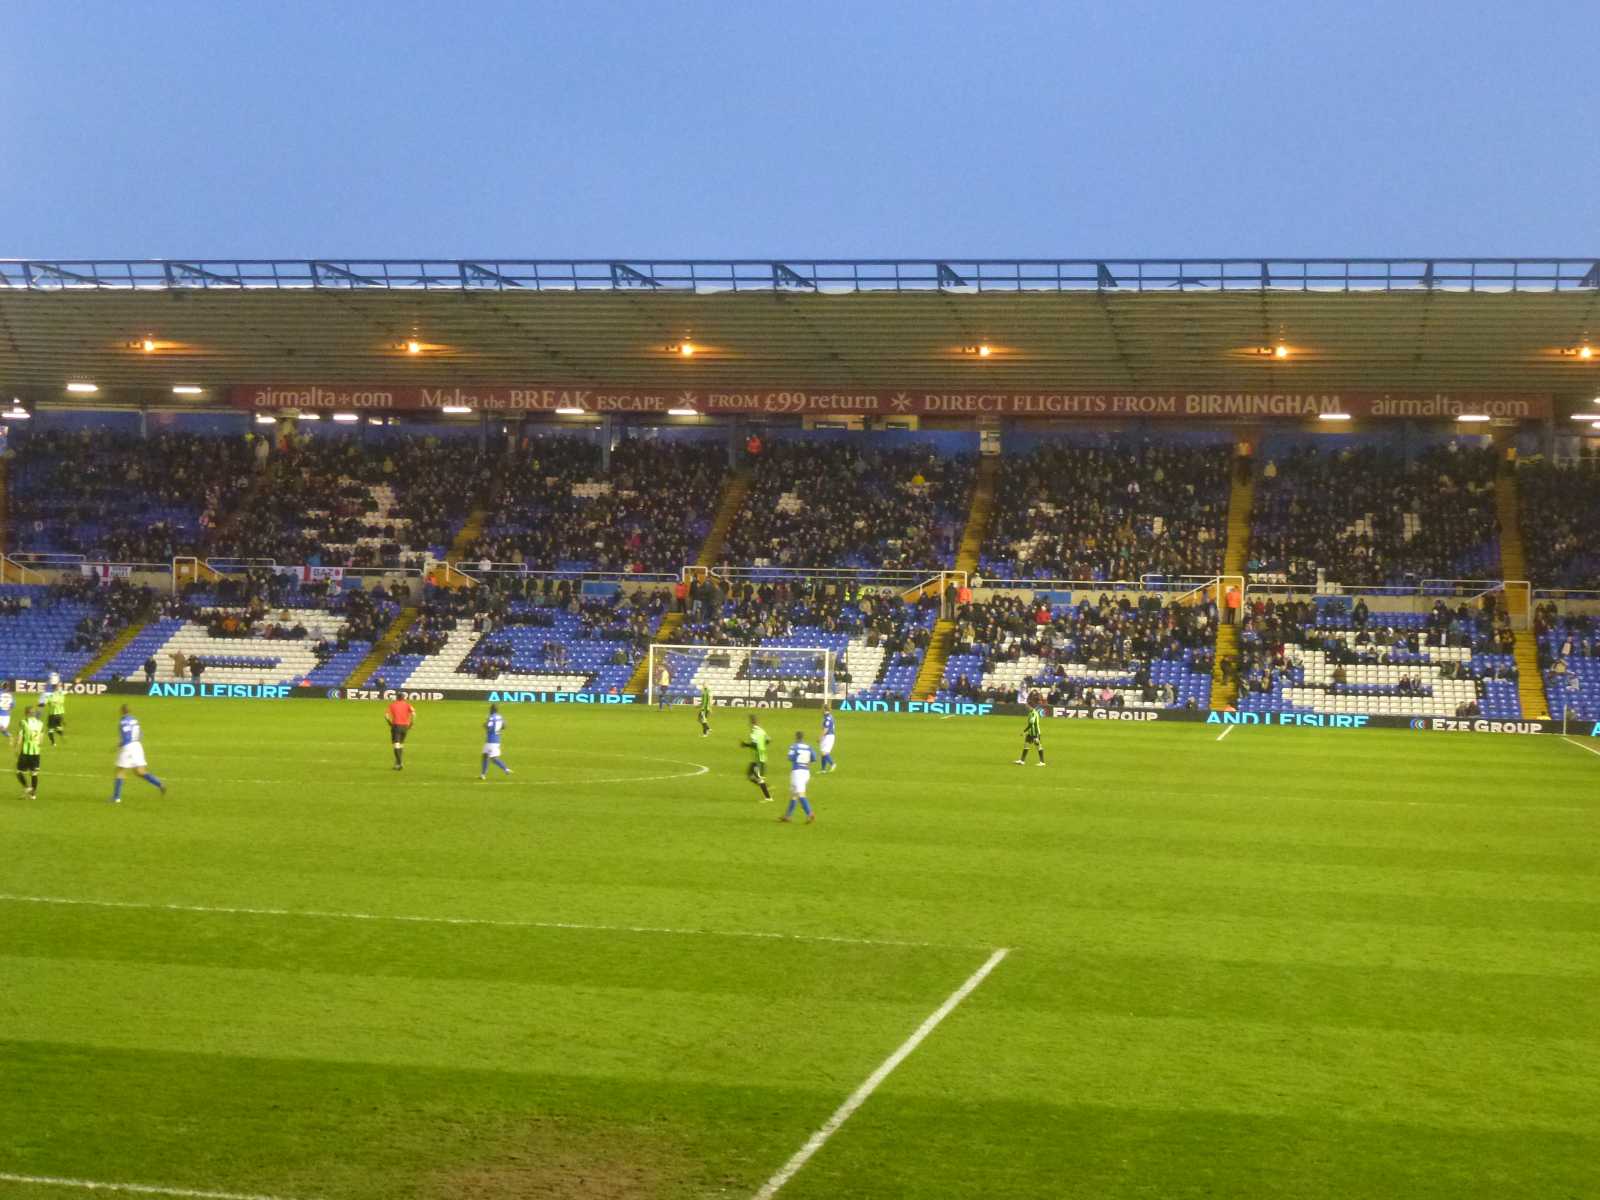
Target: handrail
522,570
1429,586
47,558
1064,585
234,566
1425,273
22,570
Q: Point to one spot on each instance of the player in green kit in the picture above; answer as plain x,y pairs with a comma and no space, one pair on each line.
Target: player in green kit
55,708
29,740
758,766
1030,737
705,711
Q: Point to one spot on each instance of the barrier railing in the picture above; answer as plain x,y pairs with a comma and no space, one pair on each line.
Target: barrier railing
907,584
14,571
479,572
43,560
1060,585
1516,594
1584,601
239,566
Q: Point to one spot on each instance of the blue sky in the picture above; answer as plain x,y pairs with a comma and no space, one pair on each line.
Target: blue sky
482,128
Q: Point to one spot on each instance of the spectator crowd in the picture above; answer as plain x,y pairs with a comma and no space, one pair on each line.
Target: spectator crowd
1369,516
1068,511
815,504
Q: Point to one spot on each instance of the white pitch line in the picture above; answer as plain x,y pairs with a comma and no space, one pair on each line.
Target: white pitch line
384,777
859,1097
1226,732
1579,745
492,922
138,1189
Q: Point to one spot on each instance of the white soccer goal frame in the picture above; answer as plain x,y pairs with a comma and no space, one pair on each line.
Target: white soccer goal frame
659,650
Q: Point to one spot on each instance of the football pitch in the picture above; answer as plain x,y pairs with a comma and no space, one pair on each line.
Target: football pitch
1288,963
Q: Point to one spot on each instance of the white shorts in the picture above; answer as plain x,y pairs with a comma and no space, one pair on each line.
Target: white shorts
491,749
5,722
798,781
827,743
130,756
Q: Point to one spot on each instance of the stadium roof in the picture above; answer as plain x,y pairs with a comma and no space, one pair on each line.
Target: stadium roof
137,328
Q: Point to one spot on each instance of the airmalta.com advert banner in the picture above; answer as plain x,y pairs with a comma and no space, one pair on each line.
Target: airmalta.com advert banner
889,403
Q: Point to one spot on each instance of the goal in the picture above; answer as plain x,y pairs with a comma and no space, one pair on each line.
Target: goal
747,674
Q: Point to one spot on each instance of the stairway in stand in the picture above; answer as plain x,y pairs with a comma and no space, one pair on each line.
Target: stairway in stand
110,650
931,675
1241,502
734,494
407,616
1514,568
5,513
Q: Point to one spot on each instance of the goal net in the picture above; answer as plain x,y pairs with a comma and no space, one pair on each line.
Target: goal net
742,673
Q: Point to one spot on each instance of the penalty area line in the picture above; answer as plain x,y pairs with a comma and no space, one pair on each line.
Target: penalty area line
1579,745
491,922
136,1189
859,1097
1226,732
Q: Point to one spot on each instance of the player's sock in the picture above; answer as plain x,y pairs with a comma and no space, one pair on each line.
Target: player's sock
153,780
805,807
788,812
33,787
827,762
22,779
116,791
483,766
501,764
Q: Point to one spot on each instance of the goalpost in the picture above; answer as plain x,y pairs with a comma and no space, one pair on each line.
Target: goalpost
742,674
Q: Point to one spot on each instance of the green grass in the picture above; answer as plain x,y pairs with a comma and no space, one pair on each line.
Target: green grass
1294,963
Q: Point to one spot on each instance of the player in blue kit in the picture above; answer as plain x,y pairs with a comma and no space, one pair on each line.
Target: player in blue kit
826,745
130,756
491,743
801,756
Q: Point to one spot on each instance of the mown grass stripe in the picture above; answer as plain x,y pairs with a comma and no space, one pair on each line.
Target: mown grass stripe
495,922
137,1189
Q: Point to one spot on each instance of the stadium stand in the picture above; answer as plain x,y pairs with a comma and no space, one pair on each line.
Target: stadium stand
555,508
1334,656
1569,662
38,629
517,632
1105,652
1366,516
1561,524
1109,512
258,628
877,639
120,498
831,503
346,503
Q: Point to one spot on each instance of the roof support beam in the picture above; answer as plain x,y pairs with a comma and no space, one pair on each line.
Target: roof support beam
54,272
1591,278
472,273
783,277
179,274
1103,276
624,276
319,269
948,277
